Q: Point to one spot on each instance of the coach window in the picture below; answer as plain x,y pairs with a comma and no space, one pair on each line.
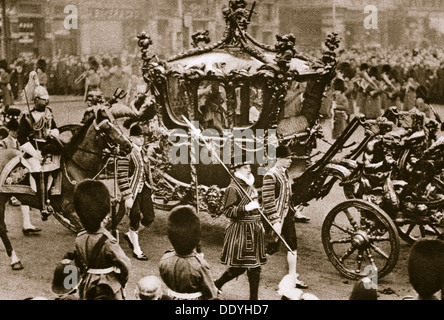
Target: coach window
178,99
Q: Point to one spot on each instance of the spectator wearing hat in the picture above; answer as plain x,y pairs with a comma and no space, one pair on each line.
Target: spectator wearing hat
374,90
119,78
244,242
361,84
11,142
409,92
134,185
17,79
426,268
102,261
92,80
276,197
422,101
150,288
5,87
40,68
106,80
185,271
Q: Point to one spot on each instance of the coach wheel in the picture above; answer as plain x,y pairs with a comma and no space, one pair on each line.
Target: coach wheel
411,231
360,239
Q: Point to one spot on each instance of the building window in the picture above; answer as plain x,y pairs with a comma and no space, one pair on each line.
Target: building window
267,36
254,31
162,28
30,8
268,12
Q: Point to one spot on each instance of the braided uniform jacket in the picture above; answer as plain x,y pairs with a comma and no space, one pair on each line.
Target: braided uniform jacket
244,241
276,192
132,173
187,274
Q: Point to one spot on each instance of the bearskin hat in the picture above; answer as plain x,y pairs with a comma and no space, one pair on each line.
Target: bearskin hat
339,84
386,68
136,130
421,92
93,63
41,64
364,67
106,63
283,151
425,267
12,125
374,72
92,203
183,229
117,62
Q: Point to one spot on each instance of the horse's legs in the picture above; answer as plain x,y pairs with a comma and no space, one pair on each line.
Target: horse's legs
3,231
3,234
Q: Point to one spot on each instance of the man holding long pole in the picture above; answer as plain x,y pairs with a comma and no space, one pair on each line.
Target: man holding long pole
244,246
276,197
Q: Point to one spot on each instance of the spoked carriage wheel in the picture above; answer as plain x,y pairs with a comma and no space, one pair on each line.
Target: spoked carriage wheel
360,239
429,227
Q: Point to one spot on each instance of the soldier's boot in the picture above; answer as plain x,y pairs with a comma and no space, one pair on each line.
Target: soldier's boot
28,227
254,276
47,209
227,276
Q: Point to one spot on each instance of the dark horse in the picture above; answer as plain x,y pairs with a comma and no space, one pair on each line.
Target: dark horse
83,157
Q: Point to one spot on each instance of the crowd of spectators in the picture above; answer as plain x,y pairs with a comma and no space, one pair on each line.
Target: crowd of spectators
425,66
67,75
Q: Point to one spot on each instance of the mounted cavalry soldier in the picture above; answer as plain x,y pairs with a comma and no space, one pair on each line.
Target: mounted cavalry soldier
37,135
133,181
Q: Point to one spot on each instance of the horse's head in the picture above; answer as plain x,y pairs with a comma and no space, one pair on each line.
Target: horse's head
107,128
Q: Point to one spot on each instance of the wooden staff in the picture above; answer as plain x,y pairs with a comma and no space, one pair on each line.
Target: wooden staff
209,147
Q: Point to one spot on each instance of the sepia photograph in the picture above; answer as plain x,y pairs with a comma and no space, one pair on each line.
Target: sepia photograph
221,150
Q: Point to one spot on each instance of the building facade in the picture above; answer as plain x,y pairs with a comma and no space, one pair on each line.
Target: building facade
111,26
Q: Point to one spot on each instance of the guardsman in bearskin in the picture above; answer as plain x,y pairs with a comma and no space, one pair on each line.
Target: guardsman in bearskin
133,181
340,108
98,254
244,242
37,135
276,197
426,269
185,271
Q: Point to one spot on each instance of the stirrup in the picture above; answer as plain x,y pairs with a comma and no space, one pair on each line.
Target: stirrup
47,211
